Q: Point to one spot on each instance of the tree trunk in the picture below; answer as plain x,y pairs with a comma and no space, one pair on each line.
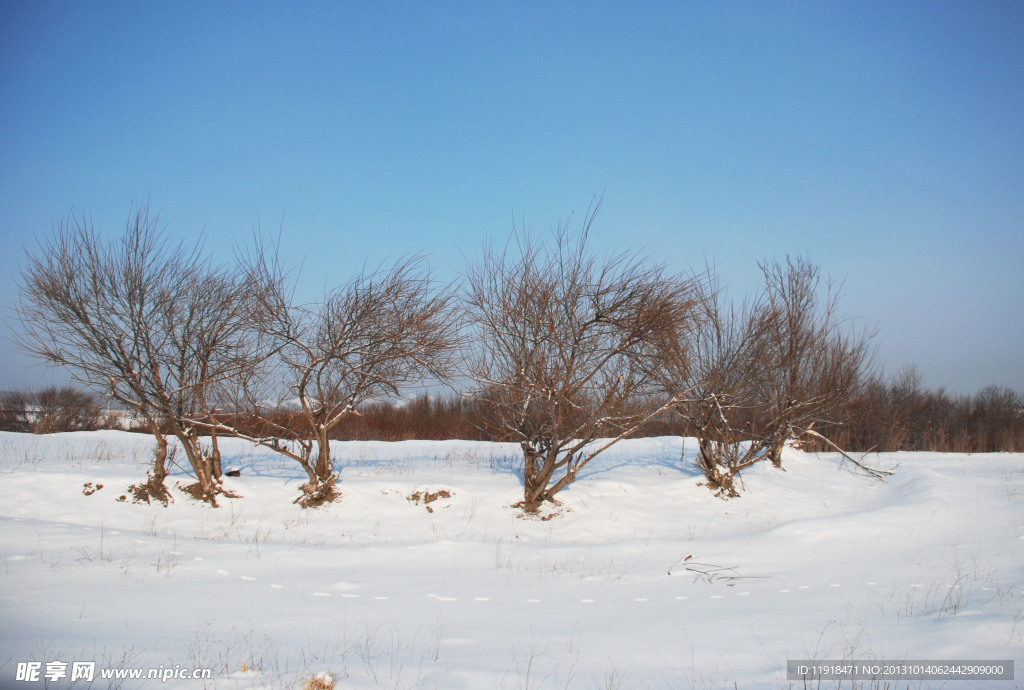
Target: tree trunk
153,488
708,458
537,471
721,476
160,460
205,489
215,467
324,466
155,485
321,487
533,492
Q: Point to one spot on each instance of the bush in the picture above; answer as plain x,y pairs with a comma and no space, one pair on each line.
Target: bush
14,412
50,410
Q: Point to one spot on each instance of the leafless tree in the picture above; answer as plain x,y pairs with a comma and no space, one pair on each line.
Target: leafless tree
767,371
374,337
815,361
151,325
717,393
565,346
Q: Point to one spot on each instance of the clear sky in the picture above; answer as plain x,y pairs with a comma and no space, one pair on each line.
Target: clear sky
884,140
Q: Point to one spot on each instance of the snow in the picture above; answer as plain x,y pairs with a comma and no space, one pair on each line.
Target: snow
641,578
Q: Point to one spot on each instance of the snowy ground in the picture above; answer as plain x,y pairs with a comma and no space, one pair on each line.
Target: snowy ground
643,579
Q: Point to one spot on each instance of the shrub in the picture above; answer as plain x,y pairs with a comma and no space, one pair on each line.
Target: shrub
50,411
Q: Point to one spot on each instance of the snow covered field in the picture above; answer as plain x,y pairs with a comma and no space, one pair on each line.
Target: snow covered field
641,579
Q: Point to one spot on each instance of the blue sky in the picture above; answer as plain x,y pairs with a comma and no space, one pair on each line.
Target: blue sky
884,140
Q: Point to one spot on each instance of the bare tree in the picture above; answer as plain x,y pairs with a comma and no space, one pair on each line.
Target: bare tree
373,337
150,325
814,361
565,347
717,391
767,372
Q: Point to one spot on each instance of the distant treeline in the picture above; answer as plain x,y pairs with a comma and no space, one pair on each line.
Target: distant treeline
900,414
886,415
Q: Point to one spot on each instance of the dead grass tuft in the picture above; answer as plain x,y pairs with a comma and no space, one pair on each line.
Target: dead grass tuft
426,497
321,681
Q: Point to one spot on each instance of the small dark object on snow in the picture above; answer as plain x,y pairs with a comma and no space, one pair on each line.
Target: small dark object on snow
233,473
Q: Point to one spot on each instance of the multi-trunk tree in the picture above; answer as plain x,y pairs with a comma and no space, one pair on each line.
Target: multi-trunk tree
154,326
371,338
565,346
815,360
767,372
716,393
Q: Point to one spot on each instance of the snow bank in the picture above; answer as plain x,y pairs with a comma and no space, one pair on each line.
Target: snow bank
640,579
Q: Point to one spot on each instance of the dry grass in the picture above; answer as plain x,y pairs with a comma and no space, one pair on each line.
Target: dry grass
321,681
